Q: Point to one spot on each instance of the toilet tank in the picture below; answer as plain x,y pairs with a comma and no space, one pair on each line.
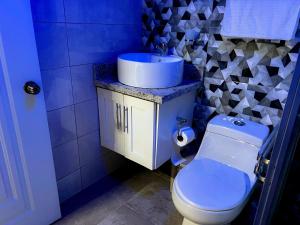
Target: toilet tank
234,142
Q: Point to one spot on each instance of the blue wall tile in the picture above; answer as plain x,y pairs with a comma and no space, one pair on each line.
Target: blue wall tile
48,10
69,186
87,117
66,159
83,83
62,125
104,11
98,168
94,43
71,35
92,172
57,88
51,41
89,148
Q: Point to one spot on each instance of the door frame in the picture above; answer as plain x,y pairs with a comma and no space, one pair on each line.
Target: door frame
282,154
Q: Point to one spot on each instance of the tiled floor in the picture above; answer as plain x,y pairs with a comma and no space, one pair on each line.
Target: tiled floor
134,196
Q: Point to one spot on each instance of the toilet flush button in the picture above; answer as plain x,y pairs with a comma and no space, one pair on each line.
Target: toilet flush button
239,123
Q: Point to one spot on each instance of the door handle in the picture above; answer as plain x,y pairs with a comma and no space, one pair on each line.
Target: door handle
32,88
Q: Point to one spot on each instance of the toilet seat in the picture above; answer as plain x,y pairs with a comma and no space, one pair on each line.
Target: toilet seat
209,192
211,186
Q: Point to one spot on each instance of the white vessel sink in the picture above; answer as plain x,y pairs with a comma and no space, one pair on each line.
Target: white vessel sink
148,70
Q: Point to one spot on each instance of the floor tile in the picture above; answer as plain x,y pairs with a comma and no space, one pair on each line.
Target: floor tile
155,202
132,195
125,216
92,213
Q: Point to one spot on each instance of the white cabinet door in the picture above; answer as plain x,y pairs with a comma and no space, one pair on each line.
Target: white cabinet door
111,120
140,123
28,191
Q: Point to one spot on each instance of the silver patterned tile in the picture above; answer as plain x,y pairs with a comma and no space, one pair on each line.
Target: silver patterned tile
261,69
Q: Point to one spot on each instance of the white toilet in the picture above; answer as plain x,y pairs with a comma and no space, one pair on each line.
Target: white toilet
216,185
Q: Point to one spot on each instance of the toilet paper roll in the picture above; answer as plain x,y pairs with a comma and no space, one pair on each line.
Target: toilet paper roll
184,137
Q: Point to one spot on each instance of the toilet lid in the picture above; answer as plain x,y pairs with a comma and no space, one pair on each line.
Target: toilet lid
210,185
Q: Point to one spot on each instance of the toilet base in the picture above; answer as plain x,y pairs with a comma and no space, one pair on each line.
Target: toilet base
188,222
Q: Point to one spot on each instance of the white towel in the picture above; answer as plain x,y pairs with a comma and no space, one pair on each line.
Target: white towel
261,19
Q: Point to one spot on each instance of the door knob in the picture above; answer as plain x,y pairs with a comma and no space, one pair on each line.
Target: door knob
32,88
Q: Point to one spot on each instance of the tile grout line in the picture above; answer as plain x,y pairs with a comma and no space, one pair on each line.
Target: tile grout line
70,173
70,66
71,77
77,137
73,104
86,23
54,68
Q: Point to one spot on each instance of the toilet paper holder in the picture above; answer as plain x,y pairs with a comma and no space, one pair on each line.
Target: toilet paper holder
181,122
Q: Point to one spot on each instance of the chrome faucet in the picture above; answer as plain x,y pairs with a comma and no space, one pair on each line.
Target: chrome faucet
162,48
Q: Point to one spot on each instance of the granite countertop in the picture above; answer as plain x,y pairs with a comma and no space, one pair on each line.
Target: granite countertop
105,77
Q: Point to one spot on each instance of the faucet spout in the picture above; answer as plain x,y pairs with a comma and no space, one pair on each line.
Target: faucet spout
162,48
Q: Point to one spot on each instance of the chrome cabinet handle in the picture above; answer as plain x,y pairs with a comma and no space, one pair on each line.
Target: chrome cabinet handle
117,115
126,126
124,121
120,119
121,124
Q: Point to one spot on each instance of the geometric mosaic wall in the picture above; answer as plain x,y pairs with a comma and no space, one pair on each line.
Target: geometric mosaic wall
242,77
249,78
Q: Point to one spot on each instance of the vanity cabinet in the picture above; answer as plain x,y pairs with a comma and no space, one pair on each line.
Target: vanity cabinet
138,129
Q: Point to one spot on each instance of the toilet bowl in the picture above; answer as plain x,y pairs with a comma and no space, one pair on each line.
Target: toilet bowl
215,186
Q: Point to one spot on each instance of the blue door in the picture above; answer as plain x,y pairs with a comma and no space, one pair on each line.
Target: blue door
282,155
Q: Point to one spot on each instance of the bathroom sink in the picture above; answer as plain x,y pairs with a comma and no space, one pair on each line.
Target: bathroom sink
146,70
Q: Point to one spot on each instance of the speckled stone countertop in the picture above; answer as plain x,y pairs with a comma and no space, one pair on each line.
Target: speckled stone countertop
105,77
